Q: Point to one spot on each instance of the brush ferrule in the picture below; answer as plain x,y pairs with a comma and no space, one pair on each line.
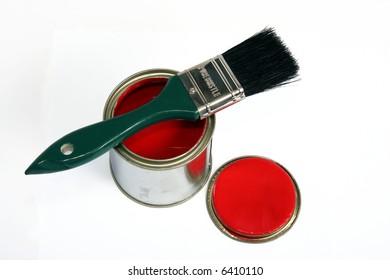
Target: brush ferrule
212,86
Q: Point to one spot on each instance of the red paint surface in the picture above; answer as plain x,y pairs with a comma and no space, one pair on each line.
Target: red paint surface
163,140
254,197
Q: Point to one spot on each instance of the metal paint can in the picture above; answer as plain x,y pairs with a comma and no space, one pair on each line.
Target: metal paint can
164,164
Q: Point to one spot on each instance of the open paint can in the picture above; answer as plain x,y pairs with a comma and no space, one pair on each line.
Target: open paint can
163,164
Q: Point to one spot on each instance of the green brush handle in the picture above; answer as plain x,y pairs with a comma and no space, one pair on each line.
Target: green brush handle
88,143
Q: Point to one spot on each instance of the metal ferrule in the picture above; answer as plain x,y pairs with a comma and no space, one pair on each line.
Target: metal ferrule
212,86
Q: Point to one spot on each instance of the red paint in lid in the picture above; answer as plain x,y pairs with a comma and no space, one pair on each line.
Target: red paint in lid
253,199
164,140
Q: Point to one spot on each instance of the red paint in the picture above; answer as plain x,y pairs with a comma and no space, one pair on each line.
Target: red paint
254,197
163,140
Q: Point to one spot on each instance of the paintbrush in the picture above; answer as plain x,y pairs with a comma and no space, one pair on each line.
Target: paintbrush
259,63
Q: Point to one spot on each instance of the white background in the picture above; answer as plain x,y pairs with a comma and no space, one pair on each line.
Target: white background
59,60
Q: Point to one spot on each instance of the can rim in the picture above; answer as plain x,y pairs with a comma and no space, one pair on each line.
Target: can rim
130,156
256,239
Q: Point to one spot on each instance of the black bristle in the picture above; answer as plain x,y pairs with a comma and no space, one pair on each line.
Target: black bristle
262,62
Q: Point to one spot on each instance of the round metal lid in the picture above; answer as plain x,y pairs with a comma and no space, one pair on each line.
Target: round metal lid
253,199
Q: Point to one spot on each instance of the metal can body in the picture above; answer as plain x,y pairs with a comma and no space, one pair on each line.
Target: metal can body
167,163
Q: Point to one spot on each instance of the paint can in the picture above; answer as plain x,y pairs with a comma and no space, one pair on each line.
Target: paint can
164,164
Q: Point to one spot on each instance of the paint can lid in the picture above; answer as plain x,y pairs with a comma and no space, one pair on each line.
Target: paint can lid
253,199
